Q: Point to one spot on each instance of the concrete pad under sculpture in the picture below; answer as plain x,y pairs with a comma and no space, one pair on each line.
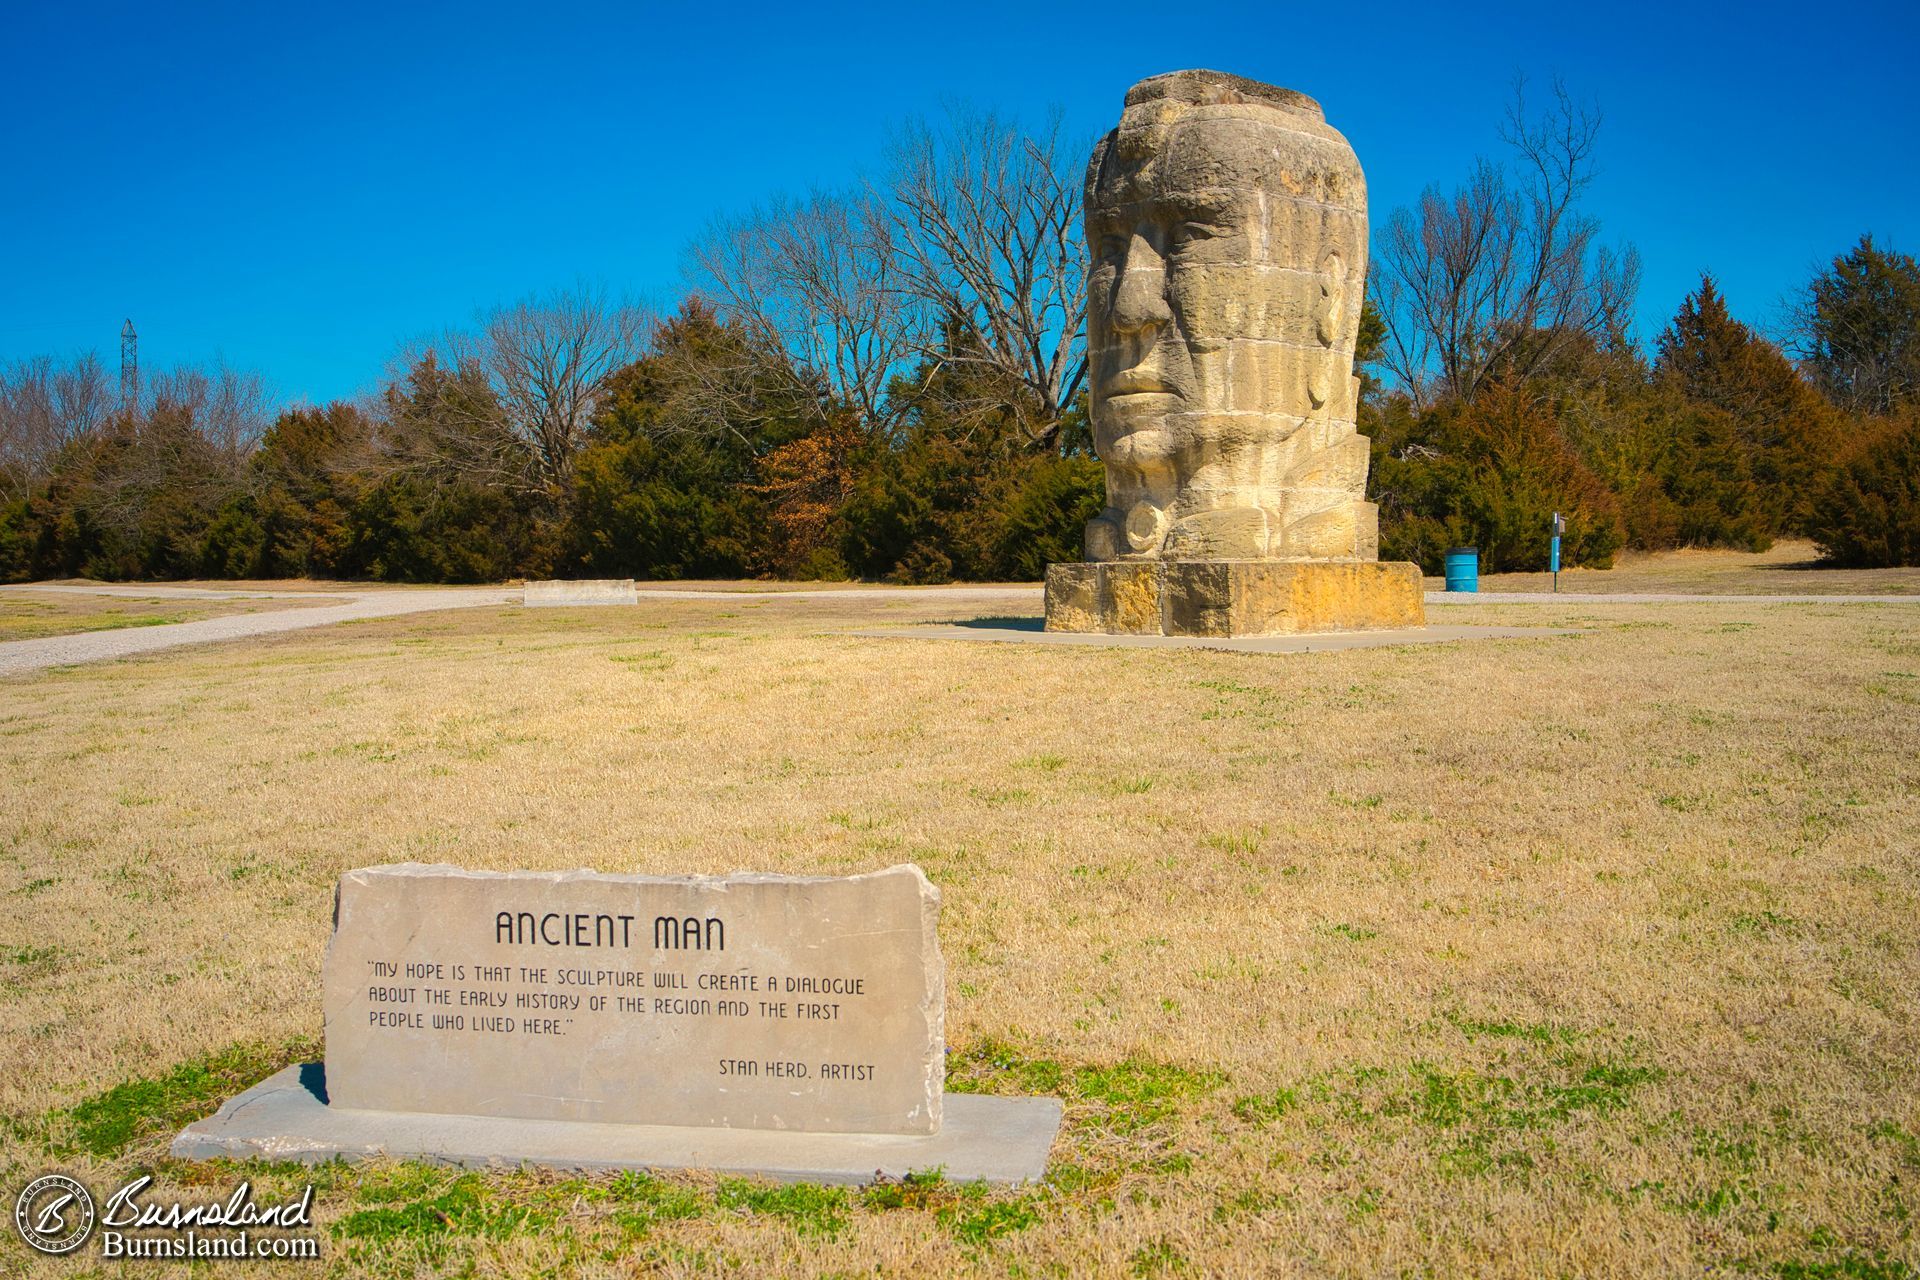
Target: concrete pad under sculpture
1226,228
742,1001
1000,631
574,593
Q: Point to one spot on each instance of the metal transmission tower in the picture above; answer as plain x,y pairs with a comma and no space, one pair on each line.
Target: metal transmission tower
129,368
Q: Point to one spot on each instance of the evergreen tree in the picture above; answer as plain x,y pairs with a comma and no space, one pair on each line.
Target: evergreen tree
1785,434
1490,474
664,488
1868,515
293,515
1860,323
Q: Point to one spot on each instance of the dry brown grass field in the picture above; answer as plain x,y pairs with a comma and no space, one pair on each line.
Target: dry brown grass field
1594,955
29,615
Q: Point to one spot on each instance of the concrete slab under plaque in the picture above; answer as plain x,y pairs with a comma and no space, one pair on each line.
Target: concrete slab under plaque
1028,631
1004,1141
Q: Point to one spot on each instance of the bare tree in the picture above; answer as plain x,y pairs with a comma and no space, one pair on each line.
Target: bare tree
549,360
1500,274
231,408
439,421
818,293
44,407
184,448
708,379
986,223
509,402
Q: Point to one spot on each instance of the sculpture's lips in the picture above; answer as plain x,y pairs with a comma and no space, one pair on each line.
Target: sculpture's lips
1135,382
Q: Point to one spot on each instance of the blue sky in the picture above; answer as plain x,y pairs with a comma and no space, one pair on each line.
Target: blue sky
298,188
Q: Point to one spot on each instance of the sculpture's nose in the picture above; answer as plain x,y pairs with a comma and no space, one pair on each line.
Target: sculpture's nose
1140,294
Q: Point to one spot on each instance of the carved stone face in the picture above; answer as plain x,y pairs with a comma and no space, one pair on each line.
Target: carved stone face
1226,231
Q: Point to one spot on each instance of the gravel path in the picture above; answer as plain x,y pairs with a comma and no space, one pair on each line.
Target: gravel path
1651,597
18,657
972,595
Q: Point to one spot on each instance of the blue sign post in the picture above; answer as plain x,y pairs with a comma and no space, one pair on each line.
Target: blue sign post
1559,527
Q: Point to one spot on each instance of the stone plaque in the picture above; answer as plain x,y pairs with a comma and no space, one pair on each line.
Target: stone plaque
743,1001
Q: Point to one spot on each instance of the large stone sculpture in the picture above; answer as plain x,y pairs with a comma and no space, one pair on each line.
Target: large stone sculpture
1227,241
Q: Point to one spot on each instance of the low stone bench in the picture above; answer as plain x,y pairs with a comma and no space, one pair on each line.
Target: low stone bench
584,591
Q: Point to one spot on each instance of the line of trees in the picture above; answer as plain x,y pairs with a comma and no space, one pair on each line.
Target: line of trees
1510,387
889,382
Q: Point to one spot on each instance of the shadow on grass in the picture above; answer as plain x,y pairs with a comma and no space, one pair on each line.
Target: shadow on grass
1803,566
1003,624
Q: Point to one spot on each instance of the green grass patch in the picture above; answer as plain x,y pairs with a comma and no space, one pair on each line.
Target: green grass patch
641,1202
1481,1120
920,1189
1763,923
1238,843
1136,1093
977,1224
1122,1098
463,1206
1906,1143
110,1122
1456,1099
1158,1259
1507,1029
809,1209
1849,1266
1267,1107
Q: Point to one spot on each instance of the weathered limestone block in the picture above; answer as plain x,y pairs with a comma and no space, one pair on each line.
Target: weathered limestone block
582,591
1279,597
1350,531
742,1001
1130,596
1232,533
1341,468
1073,597
1236,597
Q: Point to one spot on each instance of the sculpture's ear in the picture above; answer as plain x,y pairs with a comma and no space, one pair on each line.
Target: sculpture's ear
1329,311
1095,166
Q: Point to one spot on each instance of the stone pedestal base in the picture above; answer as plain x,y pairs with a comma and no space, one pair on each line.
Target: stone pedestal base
1233,597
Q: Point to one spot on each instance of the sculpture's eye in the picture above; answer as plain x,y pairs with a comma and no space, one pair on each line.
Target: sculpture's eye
1194,230
1111,244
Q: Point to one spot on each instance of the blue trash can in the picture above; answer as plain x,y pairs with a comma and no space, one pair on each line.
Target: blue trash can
1463,569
